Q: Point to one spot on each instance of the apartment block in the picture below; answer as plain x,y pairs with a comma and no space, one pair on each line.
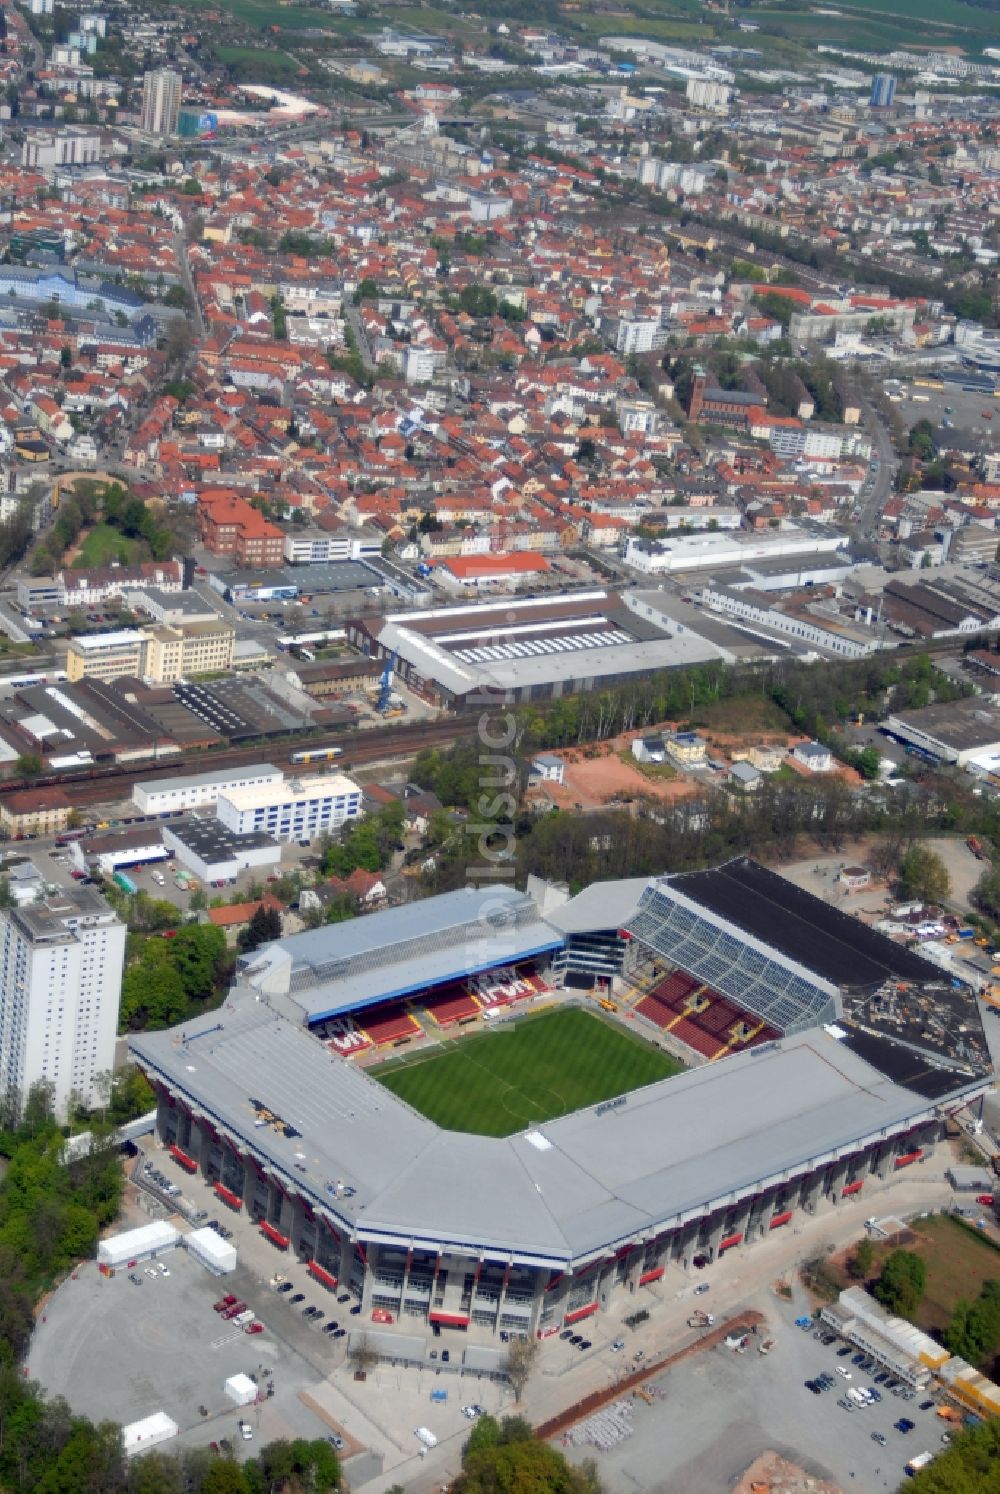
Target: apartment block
60,985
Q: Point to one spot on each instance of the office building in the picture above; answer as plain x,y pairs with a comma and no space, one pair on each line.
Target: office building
297,809
198,790
161,101
107,656
162,654
60,983
883,91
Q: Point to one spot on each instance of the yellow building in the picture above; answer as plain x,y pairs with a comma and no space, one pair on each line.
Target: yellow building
162,654
195,648
35,812
107,656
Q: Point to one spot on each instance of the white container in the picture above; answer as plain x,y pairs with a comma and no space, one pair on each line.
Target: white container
241,1390
211,1250
140,1436
137,1244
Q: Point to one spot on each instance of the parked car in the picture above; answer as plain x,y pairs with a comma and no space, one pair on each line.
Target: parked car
254,1327
134,1276
246,1431
699,1291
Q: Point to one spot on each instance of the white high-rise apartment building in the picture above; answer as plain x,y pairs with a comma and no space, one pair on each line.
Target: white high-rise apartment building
60,985
161,101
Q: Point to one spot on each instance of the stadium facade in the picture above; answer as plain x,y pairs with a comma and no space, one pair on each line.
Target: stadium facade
828,1078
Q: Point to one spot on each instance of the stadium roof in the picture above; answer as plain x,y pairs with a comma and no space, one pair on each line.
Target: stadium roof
345,966
602,905
595,1179
801,926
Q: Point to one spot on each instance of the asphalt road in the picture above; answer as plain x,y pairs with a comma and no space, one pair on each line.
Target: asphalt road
879,483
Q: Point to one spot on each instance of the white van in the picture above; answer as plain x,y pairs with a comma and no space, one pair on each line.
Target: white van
426,1436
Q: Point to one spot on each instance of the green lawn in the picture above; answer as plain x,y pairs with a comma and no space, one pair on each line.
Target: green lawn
499,1082
278,62
104,545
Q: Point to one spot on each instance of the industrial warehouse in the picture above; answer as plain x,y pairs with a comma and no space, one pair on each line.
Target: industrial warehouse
529,648
822,1058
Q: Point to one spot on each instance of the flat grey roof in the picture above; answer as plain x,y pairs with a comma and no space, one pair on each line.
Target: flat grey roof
459,676
198,780
554,1194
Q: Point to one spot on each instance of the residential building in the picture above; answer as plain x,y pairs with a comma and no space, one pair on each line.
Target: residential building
297,809
883,91
549,768
34,812
60,985
161,101
814,756
44,150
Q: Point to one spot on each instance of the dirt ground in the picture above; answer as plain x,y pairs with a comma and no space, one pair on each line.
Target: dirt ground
594,781
776,1475
817,873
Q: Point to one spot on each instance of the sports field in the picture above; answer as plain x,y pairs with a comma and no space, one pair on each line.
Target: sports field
499,1082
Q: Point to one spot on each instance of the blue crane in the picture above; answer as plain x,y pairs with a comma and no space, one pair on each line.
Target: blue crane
385,684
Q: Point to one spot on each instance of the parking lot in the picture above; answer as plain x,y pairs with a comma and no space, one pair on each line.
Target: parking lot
160,1347
720,1410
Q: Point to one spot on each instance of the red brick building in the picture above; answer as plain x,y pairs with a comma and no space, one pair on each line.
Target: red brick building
231,526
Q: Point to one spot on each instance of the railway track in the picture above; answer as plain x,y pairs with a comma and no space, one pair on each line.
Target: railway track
360,748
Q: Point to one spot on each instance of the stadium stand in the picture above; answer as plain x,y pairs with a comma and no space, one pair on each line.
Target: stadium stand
453,1004
390,1024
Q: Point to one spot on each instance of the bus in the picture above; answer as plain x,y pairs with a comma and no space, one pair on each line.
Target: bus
316,755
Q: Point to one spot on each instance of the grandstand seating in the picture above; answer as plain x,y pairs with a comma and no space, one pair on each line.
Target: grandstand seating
452,1004
654,1011
699,1017
504,987
389,1024
686,1032
678,985
345,1037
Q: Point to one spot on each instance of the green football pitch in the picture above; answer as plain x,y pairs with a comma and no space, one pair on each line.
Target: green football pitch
504,1081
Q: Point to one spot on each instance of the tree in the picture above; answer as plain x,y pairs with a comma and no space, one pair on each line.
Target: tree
971,1465
862,1260
921,441
27,765
924,876
521,1356
363,1354
264,925
900,1286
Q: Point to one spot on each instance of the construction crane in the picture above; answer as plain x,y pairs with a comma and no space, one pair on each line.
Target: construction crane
385,684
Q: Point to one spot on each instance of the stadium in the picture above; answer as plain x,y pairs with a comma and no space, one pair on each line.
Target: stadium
821,1058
